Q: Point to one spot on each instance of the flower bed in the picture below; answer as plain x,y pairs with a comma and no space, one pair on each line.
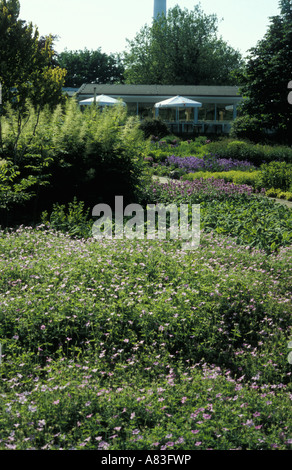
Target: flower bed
207,163
198,190
231,210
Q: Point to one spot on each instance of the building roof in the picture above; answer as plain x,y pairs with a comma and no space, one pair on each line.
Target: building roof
158,90
70,91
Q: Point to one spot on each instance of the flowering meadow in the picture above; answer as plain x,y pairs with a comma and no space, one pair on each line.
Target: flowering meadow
127,344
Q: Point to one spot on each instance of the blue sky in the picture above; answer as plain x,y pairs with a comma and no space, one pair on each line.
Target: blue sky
106,24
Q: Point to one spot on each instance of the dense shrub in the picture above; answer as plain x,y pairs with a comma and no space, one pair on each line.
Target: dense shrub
278,193
256,154
276,175
63,154
251,128
238,177
73,220
154,127
224,148
172,145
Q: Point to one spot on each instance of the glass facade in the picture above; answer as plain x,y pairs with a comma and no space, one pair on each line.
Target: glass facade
216,112
210,117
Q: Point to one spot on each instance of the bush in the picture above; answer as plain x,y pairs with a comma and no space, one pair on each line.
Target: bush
90,155
275,175
244,150
154,127
238,177
73,221
251,128
272,192
278,193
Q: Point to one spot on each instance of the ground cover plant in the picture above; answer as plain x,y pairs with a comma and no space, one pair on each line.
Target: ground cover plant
250,178
230,209
124,344
184,165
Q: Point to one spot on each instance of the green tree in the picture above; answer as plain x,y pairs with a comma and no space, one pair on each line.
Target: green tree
27,69
182,48
264,81
90,66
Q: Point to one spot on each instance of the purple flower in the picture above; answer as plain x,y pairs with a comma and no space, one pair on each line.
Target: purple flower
208,162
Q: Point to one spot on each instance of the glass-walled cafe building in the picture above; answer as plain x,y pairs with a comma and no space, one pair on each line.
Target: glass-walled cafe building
218,110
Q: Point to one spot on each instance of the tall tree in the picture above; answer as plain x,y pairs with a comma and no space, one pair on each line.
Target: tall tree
90,66
27,69
182,48
264,81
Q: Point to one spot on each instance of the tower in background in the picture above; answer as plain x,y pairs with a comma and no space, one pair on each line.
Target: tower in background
159,8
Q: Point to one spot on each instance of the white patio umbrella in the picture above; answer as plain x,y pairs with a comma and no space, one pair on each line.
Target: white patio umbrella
177,102
101,100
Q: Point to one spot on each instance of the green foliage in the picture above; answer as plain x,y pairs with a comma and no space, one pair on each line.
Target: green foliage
284,195
259,224
90,67
27,69
272,192
250,127
125,345
269,176
159,150
154,127
276,175
235,211
266,75
74,221
182,48
238,177
245,150
90,155
13,193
